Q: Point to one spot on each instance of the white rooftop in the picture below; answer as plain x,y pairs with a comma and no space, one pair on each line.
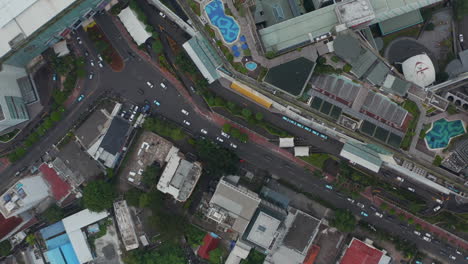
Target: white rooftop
9,9
419,70
302,151
355,12
126,225
286,142
134,26
263,230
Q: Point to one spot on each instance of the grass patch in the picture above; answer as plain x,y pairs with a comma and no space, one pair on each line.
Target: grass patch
316,159
412,108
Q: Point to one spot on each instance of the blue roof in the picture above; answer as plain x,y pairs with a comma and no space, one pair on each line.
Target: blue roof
52,230
62,255
55,256
69,254
57,241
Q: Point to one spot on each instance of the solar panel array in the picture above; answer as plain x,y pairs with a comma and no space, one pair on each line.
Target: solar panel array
336,86
381,106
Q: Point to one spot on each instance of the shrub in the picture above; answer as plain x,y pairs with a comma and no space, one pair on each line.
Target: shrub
430,27
335,59
347,68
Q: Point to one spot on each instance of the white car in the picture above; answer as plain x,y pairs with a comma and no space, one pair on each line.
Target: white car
91,75
400,179
233,145
79,40
225,134
428,235
132,117
99,57
350,200
380,215
163,85
91,62
204,131
100,64
417,233
150,84
460,37
427,239
220,139
411,189
185,112
162,14
452,257
186,122
437,208
439,201
360,205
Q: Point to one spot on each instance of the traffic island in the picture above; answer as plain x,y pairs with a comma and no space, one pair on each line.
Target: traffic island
104,46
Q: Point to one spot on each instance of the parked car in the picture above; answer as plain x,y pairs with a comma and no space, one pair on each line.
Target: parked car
185,112
350,200
234,146
426,239
79,40
411,189
380,215
225,134
150,84
400,179
156,102
162,14
54,77
91,75
417,233
99,57
460,37
220,139
163,85
360,205
437,208
100,64
329,187
204,131
187,123
364,214
91,62
80,98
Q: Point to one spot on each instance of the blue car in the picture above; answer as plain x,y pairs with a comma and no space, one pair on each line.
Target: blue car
329,187
81,98
54,77
156,103
364,214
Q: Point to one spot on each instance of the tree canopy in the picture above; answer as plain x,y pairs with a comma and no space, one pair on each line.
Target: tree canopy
151,175
344,221
53,214
167,253
5,248
98,195
216,160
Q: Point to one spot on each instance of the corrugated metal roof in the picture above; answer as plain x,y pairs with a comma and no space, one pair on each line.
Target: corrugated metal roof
203,55
400,22
134,26
378,73
9,9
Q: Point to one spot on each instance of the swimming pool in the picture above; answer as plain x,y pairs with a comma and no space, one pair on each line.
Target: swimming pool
442,131
251,66
226,25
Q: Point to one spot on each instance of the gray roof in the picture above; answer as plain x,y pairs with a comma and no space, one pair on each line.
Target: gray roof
337,86
300,232
272,11
400,22
383,107
291,76
378,73
91,129
395,85
347,47
363,63
116,136
79,162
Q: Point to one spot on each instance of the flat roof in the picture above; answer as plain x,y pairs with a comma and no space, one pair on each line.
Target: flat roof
126,225
301,29
9,9
205,58
360,252
420,70
362,155
291,76
116,135
60,188
378,73
395,85
301,231
354,12
94,126
286,142
134,26
262,232
400,22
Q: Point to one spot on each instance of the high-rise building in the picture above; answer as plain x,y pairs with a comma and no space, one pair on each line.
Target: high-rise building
28,27
15,92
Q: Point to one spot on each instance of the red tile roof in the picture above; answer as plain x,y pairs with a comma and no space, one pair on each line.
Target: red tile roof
7,225
209,243
312,254
359,252
60,188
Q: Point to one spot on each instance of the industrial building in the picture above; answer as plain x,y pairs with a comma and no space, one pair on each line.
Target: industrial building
16,91
29,27
179,176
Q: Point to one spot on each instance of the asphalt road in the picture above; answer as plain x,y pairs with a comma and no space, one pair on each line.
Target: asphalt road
134,77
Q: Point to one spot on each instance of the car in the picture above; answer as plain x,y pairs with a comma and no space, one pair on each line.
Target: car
80,98
439,201
417,233
220,139
132,117
428,235
150,84
380,215
79,40
91,75
91,62
460,37
233,145
400,179
350,200
54,77
162,14
364,214
458,252
225,134
418,262
187,123
192,89
163,85
437,208
86,53
373,208
411,189
135,109
99,57
185,112
452,257
204,131
426,239
329,187
156,102
123,113
360,205
100,64
146,108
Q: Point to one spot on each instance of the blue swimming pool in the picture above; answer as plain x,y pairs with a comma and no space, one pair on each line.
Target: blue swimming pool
225,24
251,66
442,131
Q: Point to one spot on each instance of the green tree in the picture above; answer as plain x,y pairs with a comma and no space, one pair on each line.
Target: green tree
437,161
53,214
259,116
384,206
254,257
246,113
235,133
132,197
98,195
344,221
157,46
216,256
217,161
347,68
244,137
5,248
219,101
56,116
321,60
151,175
227,128
185,63
430,26
31,239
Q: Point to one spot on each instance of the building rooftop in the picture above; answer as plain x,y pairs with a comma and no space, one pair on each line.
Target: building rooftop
134,26
354,12
8,224
93,127
286,142
380,106
80,164
209,243
338,87
378,73
395,85
400,22
362,155
205,58
126,225
239,202
301,231
291,77
60,188
419,70
360,252
272,12
262,230
116,136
